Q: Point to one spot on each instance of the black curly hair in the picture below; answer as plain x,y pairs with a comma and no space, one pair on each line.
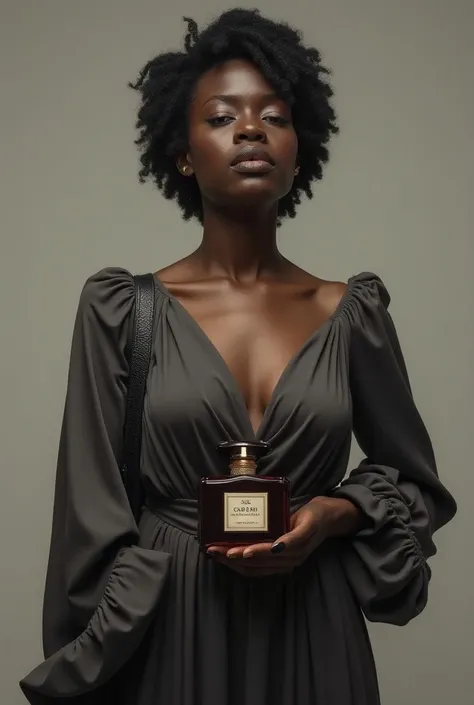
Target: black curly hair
166,85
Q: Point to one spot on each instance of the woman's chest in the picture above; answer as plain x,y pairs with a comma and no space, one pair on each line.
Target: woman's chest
300,389
257,340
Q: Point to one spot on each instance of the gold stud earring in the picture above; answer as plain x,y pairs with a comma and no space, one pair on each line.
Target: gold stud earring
185,170
297,171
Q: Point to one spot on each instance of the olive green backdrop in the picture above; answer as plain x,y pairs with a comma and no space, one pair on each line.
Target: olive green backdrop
397,199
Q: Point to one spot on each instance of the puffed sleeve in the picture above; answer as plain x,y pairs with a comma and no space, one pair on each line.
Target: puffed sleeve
102,588
397,485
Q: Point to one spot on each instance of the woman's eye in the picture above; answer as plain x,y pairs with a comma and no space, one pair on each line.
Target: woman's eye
219,120
277,119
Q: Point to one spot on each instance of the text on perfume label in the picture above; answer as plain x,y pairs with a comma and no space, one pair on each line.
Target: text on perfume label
245,512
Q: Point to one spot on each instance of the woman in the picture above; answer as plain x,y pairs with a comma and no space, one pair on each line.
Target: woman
246,346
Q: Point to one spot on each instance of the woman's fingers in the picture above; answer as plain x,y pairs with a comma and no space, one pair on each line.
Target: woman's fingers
259,559
216,551
260,549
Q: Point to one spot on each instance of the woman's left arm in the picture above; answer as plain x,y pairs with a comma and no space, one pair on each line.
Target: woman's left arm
396,488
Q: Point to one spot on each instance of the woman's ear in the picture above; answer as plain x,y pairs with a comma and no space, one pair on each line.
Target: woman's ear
184,166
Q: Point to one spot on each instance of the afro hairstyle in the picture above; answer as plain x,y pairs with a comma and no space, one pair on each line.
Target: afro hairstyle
166,86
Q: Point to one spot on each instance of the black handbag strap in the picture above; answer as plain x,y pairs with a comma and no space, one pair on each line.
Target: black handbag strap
139,359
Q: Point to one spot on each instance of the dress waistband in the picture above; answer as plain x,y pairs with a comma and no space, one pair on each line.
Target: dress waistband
180,513
183,513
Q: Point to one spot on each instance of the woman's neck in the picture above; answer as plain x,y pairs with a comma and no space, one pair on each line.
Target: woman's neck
243,249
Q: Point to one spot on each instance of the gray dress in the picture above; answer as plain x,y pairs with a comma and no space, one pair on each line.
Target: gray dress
139,616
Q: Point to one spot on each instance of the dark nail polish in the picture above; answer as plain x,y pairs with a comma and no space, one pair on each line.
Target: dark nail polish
278,547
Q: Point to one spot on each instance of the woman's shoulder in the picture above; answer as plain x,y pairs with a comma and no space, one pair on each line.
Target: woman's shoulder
365,306
108,279
107,295
358,292
369,287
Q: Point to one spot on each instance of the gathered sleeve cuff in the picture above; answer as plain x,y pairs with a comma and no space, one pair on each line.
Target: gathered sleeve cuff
102,588
396,486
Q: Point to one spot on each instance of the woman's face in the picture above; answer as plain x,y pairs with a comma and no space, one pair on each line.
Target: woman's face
242,144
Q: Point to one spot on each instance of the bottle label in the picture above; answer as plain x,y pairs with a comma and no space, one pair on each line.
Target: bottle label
245,512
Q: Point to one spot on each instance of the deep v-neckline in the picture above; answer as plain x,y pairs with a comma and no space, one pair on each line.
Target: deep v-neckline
255,433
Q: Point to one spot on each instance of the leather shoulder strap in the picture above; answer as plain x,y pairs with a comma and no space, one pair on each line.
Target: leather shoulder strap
140,351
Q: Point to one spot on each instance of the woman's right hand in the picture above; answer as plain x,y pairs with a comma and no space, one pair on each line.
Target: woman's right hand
254,567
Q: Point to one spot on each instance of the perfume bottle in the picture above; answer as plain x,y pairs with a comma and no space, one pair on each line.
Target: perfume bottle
242,508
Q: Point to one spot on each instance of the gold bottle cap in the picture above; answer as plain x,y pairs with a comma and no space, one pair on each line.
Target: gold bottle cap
243,456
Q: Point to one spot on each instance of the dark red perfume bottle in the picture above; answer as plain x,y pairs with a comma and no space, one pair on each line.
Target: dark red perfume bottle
242,508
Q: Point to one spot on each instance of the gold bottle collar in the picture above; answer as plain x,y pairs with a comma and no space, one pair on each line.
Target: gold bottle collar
243,466
243,462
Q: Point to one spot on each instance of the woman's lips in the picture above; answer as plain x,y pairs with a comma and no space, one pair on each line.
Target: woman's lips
258,166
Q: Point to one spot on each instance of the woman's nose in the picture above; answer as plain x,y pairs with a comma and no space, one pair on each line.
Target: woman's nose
250,132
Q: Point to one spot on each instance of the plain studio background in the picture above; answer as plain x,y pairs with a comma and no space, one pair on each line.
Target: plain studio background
396,199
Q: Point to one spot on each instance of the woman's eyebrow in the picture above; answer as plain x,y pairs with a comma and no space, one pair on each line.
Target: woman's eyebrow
233,98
